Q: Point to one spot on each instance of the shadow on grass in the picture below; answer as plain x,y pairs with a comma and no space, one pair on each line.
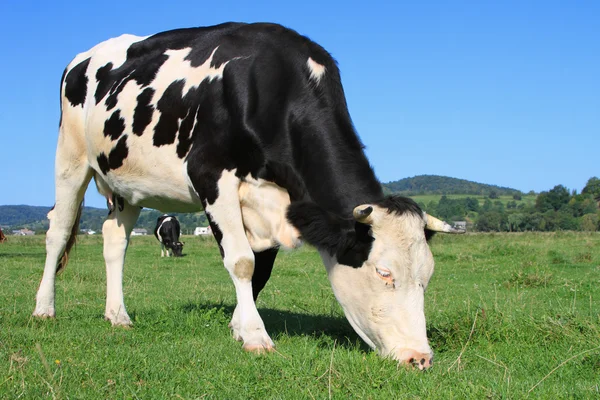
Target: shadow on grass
281,322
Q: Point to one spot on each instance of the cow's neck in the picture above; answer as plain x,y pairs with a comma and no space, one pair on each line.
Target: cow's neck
336,172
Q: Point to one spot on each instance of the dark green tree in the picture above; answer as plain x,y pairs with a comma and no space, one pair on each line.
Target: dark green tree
487,205
589,222
471,204
555,199
592,187
491,221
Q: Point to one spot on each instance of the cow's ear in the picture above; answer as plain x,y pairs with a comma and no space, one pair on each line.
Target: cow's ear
356,246
317,226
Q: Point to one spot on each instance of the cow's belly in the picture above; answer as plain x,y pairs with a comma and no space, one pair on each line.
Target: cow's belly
152,177
167,193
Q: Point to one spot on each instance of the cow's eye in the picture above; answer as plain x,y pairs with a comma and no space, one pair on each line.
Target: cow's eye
384,273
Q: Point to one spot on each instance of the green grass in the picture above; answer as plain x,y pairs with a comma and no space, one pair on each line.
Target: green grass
508,315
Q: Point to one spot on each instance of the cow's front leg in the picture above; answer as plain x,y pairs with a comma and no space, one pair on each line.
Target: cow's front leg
226,221
263,265
116,231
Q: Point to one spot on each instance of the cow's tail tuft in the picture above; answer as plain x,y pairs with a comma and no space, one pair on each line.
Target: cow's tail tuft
64,259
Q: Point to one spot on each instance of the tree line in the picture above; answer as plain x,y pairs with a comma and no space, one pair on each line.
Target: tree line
553,210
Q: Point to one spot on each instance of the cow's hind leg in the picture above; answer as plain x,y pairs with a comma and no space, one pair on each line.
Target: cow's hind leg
72,176
226,219
116,231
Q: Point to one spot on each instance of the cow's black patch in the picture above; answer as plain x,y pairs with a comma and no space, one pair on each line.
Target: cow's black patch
142,115
115,158
347,239
356,246
185,132
204,178
171,110
104,81
400,205
286,177
429,234
114,126
103,163
217,233
318,227
263,266
62,81
121,203
76,83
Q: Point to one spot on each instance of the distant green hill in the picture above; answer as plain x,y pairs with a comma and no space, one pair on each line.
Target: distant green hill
19,215
435,184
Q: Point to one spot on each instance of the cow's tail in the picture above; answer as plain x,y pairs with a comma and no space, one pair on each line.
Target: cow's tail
64,258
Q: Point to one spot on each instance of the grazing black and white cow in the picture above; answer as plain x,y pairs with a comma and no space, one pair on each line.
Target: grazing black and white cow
249,122
167,232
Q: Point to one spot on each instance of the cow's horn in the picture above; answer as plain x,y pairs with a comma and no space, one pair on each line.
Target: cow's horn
436,225
363,214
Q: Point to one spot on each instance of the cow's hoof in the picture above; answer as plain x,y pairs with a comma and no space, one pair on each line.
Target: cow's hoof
45,313
235,332
118,320
258,348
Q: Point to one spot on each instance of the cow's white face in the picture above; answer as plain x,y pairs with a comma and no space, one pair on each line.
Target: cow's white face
384,298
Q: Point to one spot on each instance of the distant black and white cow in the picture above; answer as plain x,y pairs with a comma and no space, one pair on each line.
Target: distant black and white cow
167,232
249,122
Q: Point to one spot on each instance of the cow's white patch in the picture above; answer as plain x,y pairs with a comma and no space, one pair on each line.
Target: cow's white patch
316,70
238,258
115,232
264,206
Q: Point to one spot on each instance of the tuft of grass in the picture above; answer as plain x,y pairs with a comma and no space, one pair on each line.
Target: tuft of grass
557,257
529,280
583,257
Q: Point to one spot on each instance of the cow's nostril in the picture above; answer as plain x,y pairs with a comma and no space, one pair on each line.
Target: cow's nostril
414,358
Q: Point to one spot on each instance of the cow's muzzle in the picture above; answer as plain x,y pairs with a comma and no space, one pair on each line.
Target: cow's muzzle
414,358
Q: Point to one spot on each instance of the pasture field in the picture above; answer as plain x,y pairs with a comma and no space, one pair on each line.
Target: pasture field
509,316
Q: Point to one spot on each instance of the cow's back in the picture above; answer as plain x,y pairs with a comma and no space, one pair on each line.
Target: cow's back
163,111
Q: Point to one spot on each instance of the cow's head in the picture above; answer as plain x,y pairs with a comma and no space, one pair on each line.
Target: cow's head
379,265
177,248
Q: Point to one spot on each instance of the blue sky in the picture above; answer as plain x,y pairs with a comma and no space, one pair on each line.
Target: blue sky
498,92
